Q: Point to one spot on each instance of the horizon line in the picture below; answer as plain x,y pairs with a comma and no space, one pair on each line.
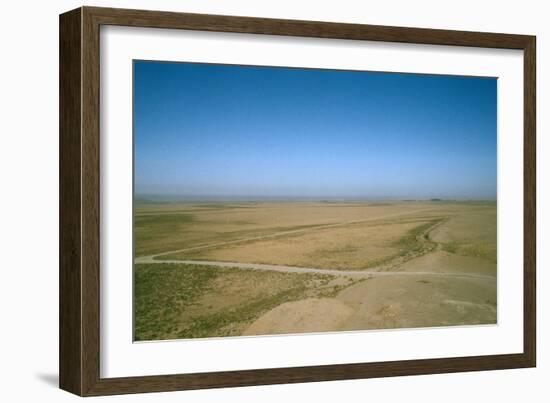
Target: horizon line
254,198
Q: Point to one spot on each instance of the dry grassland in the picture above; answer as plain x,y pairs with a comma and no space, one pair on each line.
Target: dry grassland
186,301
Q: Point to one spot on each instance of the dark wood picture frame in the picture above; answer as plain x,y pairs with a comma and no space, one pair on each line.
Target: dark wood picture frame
79,280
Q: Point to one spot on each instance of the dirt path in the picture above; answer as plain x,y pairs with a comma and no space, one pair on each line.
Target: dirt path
294,269
382,271
277,234
385,270
426,286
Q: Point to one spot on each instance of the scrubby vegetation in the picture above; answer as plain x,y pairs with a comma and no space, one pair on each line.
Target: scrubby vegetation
189,301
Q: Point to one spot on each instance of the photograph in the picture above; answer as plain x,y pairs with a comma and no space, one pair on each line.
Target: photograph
251,198
284,200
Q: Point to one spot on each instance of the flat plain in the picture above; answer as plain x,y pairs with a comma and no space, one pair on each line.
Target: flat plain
211,269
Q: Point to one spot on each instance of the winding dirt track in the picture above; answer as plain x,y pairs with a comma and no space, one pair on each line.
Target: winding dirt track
278,234
295,269
152,259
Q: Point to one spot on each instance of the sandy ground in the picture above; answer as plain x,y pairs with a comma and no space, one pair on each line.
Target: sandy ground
388,302
443,262
451,282
308,315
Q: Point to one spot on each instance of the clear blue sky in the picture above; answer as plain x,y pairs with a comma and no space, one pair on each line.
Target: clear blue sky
270,132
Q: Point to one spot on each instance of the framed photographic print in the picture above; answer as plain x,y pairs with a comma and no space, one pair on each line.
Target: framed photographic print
249,201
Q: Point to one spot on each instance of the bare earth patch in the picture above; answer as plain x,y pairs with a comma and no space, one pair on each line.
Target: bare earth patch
398,302
308,315
435,264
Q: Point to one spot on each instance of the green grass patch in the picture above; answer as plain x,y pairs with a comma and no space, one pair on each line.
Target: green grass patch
451,247
161,292
414,243
174,301
417,239
220,323
478,250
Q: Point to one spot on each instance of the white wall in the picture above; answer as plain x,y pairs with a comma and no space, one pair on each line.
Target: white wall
29,201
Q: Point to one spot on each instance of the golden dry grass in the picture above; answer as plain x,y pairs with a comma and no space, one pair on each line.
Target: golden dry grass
349,247
164,227
181,301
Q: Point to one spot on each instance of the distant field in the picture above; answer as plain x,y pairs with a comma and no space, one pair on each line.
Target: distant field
451,245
